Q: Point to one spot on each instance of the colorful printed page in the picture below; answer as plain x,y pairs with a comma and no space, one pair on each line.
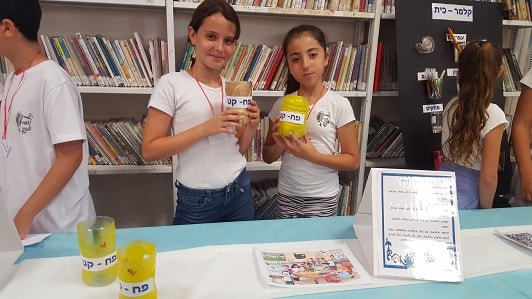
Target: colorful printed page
306,267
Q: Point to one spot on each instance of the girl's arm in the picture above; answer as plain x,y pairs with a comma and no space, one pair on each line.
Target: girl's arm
491,149
156,144
246,134
521,128
69,156
347,160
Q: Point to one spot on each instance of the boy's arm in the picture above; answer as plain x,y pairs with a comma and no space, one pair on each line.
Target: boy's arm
521,126
69,156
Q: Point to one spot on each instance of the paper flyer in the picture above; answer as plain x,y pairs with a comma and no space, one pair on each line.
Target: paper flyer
521,238
305,267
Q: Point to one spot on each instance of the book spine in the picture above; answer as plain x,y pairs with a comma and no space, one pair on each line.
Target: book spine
143,55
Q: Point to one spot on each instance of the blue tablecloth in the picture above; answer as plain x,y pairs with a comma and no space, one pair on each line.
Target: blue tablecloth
505,285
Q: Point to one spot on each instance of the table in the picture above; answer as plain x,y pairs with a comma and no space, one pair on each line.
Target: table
513,285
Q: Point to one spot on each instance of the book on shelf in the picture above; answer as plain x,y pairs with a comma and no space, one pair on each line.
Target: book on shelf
253,61
363,67
265,69
144,56
361,49
137,59
378,67
514,69
279,57
508,82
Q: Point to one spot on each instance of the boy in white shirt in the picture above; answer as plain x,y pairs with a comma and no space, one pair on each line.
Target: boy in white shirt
43,160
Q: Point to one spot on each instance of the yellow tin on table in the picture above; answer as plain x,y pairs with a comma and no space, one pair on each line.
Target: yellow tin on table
136,270
97,246
293,115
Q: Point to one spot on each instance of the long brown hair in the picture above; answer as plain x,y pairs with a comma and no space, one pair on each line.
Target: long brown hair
291,83
478,72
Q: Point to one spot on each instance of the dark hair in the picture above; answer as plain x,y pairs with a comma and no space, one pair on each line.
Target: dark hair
208,8
25,14
478,71
291,83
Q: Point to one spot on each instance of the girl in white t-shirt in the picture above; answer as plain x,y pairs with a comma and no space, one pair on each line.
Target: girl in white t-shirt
208,141
308,178
473,126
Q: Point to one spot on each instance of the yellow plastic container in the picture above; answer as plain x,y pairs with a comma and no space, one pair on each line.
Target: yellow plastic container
136,270
293,116
97,246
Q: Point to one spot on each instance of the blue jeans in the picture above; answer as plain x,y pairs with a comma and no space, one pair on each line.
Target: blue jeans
466,185
230,203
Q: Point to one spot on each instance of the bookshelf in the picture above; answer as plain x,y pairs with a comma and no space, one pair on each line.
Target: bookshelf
516,35
126,192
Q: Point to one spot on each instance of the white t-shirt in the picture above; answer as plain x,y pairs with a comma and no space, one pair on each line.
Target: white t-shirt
527,79
46,110
495,118
212,162
299,177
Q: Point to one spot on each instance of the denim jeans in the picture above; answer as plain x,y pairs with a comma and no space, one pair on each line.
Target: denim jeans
230,203
466,185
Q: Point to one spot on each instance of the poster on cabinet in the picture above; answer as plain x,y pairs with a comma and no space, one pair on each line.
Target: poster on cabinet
408,225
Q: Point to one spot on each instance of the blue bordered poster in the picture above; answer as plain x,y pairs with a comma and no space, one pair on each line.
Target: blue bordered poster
411,217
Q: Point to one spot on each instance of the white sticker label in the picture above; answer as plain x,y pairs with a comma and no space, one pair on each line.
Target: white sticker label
136,289
238,102
99,263
292,117
452,72
432,108
421,76
6,147
460,38
452,12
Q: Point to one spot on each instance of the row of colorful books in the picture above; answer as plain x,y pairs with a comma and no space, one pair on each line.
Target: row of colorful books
98,60
266,67
384,139
517,9
117,142
332,5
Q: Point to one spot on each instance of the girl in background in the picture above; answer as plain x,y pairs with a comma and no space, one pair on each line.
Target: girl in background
308,178
208,141
473,126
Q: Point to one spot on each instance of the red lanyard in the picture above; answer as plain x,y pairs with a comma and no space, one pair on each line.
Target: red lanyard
323,90
7,111
205,94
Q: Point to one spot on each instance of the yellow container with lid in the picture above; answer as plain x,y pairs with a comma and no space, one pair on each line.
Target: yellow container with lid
136,270
97,246
293,115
